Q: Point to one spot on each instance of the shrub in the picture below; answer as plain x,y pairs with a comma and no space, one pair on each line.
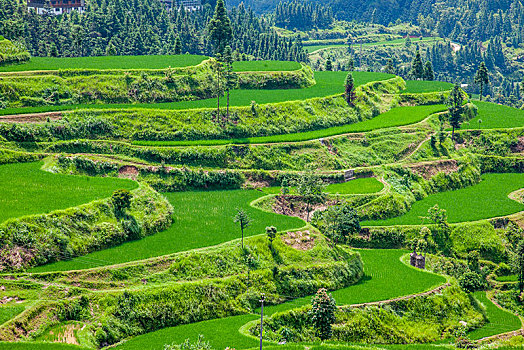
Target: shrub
121,200
471,281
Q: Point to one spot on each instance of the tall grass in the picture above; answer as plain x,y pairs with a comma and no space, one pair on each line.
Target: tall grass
26,190
485,200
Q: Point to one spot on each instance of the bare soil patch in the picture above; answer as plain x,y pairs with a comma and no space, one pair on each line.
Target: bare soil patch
31,118
428,170
300,240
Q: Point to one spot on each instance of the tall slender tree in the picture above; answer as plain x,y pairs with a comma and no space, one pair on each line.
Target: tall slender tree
349,91
417,67
219,28
455,108
231,78
429,74
482,78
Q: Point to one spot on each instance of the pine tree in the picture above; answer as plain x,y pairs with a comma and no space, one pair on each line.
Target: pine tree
455,101
322,313
178,46
349,93
219,28
351,65
482,78
428,71
329,65
230,76
390,69
417,67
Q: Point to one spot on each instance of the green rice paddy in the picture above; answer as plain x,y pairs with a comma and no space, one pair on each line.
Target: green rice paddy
485,200
395,117
265,66
328,83
8,312
357,186
106,62
423,86
201,219
386,277
27,190
494,116
500,321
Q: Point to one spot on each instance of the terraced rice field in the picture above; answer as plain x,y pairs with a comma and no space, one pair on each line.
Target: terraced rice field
485,200
395,117
494,116
201,219
27,190
386,277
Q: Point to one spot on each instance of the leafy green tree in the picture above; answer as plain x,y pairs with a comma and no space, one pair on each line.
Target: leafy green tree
473,261
284,186
219,28
243,219
121,200
417,67
482,78
311,189
407,42
271,233
322,313
218,72
349,87
341,222
455,109
471,281
429,74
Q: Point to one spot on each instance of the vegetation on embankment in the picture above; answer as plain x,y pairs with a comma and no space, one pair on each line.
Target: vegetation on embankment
195,213
60,235
11,53
327,84
92,86
280,271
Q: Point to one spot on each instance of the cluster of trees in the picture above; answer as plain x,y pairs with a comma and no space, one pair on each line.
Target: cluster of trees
139,27
303,15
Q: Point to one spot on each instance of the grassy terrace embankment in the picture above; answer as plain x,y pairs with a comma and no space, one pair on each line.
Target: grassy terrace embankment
386,277
313,48
27,190
485,200
327,83
358,186
201,219
396,117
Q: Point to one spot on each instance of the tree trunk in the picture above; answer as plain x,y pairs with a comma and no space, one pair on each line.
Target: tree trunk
307,210
227,113
452,133
481,90
242,237
218,105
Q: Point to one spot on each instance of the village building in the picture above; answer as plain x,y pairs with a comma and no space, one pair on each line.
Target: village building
56,7
188,5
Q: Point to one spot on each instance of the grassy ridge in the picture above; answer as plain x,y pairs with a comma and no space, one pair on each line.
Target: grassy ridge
265,66
422,86
28,190
328,83
500,321
496,116
485,200
386,277
201,219
396,117
106,62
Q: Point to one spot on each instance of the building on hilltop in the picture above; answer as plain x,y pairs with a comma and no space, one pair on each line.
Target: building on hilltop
56,7
188,5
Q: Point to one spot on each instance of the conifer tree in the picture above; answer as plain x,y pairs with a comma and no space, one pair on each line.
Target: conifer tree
329,65
349,93
482,78
428,71
417,67
219,28
455,108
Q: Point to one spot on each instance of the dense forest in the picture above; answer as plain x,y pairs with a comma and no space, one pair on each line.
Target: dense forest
301,15
138,27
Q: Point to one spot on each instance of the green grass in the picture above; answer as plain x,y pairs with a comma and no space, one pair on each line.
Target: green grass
357,186
201,219
27,190
328,83
395,42
500,321
485,200
386,277
265,66
395,117
510,278
106,62
8,312
496,116
422,86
